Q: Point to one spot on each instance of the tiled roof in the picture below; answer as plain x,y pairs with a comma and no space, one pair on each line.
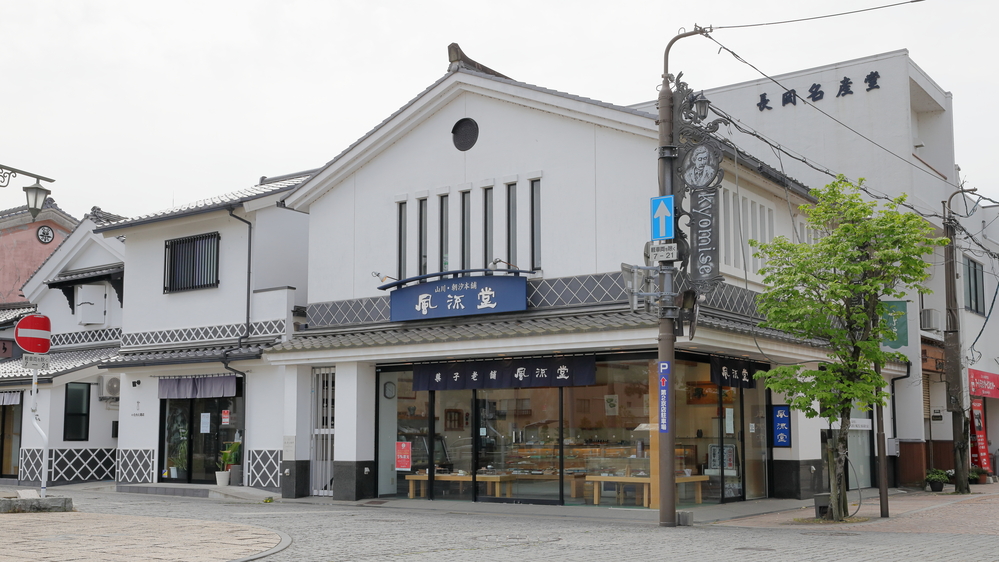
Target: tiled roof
181,356
396,334
102,217
87,273
61,362
266,187
8,315
49,204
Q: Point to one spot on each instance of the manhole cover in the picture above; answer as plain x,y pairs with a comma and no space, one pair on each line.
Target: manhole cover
831,534
757,548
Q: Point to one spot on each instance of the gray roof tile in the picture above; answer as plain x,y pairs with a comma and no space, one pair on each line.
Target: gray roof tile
183,355
266,187
61,362
396,334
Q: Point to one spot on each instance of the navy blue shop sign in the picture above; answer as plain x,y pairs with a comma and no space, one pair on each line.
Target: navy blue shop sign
780,425
463,296
511,373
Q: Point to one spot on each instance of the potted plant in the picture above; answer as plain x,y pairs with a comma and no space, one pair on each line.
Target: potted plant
977,475
936,478
228,458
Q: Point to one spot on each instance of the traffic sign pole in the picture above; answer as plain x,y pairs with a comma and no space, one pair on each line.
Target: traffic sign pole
33,334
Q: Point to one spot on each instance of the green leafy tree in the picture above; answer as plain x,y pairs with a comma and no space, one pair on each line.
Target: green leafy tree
831,290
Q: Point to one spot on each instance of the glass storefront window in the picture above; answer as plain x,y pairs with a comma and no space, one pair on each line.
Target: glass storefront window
578,444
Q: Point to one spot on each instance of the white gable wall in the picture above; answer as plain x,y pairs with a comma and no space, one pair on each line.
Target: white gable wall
581,231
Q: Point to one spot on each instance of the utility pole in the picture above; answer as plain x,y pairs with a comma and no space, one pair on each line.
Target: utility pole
952,355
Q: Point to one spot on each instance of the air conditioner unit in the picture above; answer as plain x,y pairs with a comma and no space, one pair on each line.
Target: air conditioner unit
108,387
930,319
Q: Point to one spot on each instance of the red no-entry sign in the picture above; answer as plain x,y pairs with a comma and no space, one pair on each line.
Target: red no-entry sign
33,333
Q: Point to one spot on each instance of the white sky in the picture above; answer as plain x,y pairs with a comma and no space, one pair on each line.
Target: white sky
136,106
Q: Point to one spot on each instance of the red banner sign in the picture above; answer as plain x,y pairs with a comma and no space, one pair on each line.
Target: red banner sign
403,455
979,439
983,384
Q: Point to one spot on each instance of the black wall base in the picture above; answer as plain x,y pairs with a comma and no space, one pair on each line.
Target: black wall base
795,479
353,480
294,479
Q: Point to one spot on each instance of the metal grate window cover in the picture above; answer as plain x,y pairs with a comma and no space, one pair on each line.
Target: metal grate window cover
191,263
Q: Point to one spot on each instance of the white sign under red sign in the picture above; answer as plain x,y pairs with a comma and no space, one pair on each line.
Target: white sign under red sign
33,333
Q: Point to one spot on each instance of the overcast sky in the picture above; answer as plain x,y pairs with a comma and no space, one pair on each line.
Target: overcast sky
137,106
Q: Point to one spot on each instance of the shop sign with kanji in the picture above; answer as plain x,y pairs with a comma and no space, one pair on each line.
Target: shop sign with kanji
462,296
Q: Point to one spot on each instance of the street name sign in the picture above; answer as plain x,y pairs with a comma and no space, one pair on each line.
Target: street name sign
662,217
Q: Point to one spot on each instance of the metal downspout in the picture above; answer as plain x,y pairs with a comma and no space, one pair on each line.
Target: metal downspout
249,264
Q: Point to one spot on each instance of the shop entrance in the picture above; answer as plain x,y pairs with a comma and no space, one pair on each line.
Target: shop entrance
10,433
195,431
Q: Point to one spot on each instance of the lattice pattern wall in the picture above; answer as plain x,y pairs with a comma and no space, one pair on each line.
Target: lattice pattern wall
87,336
203,333
78,465
264,468
31,465
136,466
541,294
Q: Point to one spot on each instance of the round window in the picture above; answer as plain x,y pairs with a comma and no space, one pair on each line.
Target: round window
464,134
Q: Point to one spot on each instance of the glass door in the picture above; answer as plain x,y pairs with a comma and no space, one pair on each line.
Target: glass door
729,455
518,449
176,436
755,441
10,440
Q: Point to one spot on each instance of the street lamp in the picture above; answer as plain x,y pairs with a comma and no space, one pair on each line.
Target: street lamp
36,195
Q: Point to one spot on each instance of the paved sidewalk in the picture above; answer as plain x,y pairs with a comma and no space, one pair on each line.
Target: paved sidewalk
235,524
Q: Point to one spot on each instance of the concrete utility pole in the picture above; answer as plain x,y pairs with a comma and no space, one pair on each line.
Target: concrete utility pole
952,355
667,337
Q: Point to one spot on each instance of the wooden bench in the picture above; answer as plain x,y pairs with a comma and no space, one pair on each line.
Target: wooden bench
646,484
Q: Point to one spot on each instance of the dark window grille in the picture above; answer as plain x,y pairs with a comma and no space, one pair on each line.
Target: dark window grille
76,419
191,263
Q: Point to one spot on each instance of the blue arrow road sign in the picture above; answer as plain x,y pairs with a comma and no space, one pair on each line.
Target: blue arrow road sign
662,217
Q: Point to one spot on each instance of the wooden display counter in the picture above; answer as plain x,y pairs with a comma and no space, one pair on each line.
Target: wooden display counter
645,483
494,482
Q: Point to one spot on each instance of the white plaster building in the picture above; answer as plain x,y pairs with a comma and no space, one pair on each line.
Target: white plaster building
79,287
480,170
209,285
895,129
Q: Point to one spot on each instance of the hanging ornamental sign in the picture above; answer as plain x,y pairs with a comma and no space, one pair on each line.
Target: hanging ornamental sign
700,174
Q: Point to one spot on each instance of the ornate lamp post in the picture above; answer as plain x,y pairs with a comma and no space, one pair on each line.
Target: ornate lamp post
681,116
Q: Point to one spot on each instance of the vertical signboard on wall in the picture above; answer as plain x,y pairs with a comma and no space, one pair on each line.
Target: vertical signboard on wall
780,423
403,455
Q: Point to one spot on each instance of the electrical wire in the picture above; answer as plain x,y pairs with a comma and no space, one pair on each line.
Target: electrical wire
844,125
815,17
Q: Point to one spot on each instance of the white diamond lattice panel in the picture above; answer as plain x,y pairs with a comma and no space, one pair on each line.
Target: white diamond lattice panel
31,465
77,465
203,333
136,465
264,468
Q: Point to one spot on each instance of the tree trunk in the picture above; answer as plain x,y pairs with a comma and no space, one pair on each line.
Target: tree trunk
839,507
961,460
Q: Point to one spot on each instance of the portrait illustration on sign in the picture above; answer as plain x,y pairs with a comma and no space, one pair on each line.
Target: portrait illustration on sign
700,167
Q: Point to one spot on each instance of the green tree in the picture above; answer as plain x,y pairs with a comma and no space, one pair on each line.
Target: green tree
831,290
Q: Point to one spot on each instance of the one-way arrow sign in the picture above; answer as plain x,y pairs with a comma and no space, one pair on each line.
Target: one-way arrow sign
662,217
